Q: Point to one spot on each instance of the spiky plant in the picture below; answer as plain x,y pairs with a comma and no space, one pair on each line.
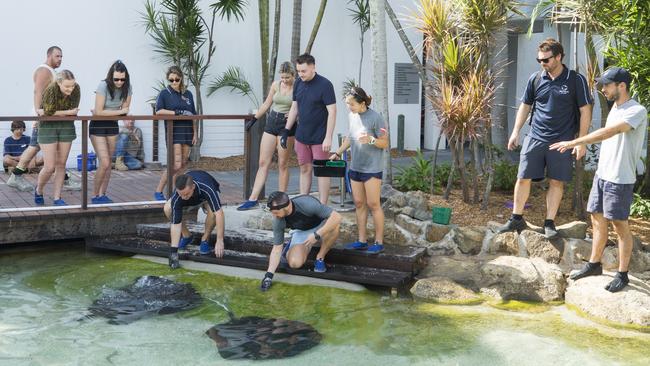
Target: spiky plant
234,79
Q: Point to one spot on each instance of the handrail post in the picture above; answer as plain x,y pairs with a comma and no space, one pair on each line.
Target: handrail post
154,132
170,156
84,164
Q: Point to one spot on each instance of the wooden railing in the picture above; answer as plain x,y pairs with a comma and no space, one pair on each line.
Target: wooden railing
250,156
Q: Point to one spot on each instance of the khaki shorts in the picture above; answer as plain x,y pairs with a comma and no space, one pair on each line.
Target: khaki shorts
50,132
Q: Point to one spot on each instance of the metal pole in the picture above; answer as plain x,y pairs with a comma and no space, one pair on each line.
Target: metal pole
169,137
84,164
342,180
155,135
400,133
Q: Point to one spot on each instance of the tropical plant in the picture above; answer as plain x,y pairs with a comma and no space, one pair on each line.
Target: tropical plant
348,85
640,207
234,79
414,177
183,36
360,16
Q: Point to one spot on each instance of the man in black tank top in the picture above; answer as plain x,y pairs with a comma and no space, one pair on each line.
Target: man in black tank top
311,221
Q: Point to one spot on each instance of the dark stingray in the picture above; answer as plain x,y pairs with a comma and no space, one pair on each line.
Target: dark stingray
258,338
148,295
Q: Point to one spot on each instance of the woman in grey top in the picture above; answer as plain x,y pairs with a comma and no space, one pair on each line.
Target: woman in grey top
368,140
112,98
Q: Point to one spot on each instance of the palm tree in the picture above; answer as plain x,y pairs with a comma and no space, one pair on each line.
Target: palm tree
361,17
183,36
314,30
380,72
296,29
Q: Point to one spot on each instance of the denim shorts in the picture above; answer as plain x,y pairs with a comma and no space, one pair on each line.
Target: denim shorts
613,200
103,128
363,177
535,157
275,122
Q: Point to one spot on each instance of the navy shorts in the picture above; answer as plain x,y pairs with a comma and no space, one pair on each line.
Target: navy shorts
535,158
613,200
182,134
363,177
103,128
275,122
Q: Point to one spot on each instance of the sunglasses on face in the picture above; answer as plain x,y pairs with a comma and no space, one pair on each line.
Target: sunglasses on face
174,80
544,60
115,80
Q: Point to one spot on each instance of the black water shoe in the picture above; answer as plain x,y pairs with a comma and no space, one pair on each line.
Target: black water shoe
173,260
618,283
590,269
549,230
513,225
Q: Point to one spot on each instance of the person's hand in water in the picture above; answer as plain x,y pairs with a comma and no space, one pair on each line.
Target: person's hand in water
267,281
219,248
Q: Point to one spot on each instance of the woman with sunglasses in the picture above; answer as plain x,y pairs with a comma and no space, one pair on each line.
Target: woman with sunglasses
177,100
112,98
277,104
368,141
60,98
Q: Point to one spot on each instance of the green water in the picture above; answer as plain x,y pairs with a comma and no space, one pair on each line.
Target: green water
44,294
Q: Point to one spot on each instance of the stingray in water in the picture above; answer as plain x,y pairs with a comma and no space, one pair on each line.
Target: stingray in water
258,338
148,295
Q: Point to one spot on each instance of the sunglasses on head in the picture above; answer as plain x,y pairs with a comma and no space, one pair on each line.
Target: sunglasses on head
544,60
115,80
174,80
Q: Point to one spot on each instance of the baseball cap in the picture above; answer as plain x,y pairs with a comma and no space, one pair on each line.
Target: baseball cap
615,75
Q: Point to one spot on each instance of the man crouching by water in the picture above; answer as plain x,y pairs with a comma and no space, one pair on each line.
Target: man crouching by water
311,221
192,189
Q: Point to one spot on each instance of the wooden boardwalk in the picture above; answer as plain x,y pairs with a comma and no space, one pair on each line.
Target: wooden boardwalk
48,224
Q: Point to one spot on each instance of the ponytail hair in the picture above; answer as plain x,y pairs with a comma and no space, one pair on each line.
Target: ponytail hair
360,95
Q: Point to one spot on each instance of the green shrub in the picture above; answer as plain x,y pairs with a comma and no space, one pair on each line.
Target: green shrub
505,175
415,177
640,207
442,174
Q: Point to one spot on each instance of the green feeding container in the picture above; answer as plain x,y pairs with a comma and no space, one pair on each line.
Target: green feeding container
441,215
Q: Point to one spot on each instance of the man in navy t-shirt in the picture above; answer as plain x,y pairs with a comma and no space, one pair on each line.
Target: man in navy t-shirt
15,145
557,96
314,105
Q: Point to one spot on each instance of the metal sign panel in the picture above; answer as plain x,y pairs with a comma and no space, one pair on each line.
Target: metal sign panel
407,84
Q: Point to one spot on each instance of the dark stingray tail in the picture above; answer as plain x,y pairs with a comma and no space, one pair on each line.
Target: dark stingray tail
231,315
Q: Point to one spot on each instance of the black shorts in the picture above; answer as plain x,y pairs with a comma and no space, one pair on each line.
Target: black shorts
275,122
182,132
103,128
363,177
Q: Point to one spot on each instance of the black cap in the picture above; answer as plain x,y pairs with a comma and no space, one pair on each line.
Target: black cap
615,75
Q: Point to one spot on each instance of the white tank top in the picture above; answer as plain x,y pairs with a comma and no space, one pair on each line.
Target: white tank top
47,67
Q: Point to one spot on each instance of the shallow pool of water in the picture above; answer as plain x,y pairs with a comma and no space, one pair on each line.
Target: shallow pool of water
44,296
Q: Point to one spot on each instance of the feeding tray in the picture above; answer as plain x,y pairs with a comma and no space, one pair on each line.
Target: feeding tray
329,168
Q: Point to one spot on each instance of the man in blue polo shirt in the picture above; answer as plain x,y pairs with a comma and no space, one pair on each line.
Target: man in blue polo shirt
193,189
314,105
558,97
14,146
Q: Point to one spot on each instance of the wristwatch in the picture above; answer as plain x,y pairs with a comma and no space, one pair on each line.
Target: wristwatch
316,236
372,140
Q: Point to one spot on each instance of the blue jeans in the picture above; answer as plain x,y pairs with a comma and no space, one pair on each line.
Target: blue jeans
120,150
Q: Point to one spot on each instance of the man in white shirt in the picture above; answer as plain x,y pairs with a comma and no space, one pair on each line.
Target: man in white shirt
613,187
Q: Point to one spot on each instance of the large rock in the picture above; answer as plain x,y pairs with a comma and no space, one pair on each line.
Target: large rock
573,230
538,246
435,232
629,306
443,290
445,246
528,279
504,243
470,238
413,226
418,200
464,270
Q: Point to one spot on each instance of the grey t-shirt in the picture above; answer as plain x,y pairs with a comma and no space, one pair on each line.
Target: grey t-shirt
620,154
366,158
114,103
307,214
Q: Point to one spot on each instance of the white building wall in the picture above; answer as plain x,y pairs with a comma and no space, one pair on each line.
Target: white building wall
94,33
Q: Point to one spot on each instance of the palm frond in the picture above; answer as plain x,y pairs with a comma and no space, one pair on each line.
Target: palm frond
234,79
230,9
